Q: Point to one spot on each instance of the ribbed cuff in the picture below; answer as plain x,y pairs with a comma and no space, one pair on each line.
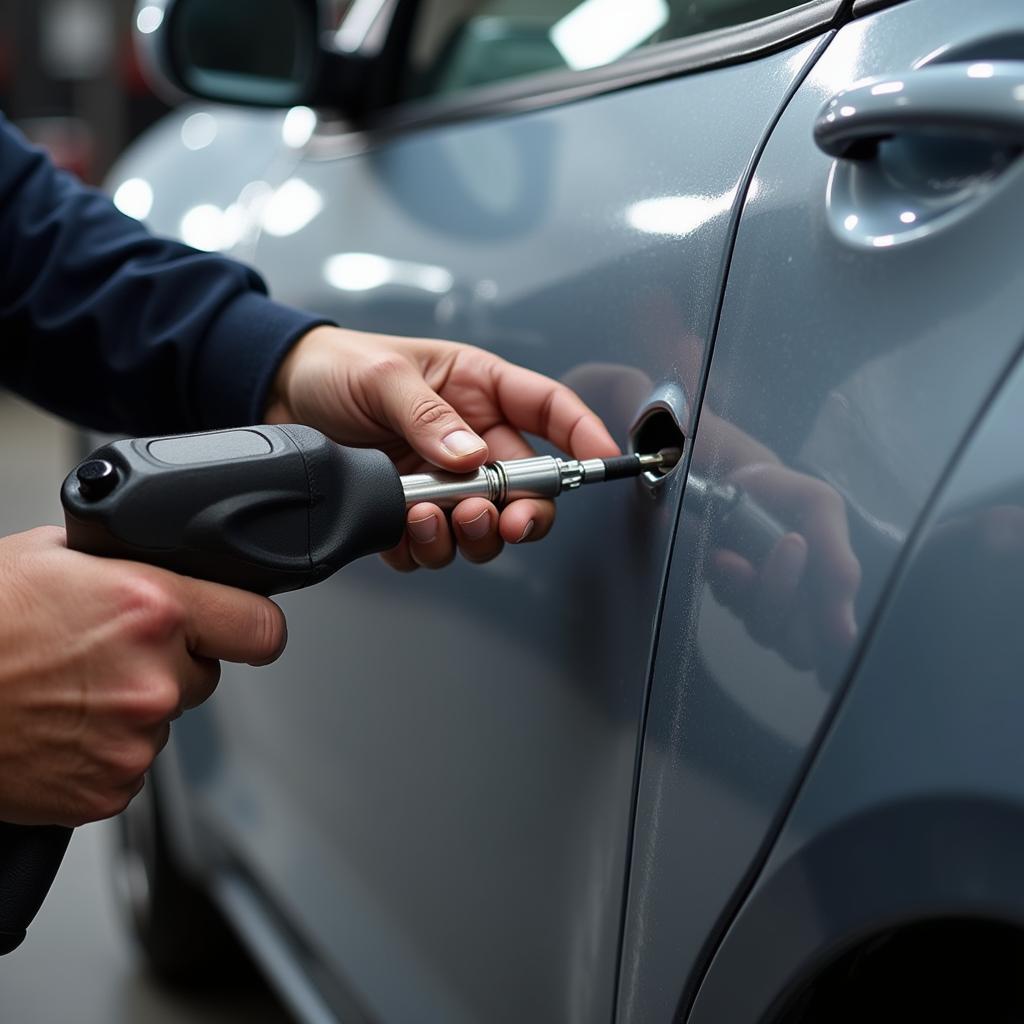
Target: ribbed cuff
240,356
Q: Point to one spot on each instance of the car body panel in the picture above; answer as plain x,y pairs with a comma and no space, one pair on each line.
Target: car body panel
914,808
199,157
435,784
862,366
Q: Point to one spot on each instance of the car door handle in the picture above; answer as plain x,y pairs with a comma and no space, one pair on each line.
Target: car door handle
977,99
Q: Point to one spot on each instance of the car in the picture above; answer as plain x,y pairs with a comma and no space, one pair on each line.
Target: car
737,743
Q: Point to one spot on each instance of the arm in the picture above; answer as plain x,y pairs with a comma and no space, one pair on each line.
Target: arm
115,329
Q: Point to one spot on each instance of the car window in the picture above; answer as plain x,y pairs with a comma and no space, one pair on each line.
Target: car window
458,44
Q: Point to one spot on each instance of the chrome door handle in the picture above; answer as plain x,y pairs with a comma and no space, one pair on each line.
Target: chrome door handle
976,99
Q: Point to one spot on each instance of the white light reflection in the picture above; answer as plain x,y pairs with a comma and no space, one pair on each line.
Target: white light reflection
882,241
290,208
885,88
149,19
210,228
134,197
1018,93
600,31
198,130
851,221
980,71
298,126
847,111
908,216
365,271
679,216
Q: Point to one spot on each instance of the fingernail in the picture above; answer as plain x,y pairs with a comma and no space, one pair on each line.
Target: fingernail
477,528
424,531
526,533
463,442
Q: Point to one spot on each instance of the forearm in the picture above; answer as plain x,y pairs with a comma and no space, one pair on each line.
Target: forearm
115,329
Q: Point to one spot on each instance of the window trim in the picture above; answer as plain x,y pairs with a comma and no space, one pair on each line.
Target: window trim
718,48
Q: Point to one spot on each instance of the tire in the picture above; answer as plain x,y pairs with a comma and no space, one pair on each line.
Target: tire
185,940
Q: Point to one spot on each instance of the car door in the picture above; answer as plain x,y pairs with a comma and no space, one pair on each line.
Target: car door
875,303
435,785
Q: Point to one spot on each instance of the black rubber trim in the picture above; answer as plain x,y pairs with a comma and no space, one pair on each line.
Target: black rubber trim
720,48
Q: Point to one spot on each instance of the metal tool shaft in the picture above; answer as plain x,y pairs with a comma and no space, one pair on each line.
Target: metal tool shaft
541,477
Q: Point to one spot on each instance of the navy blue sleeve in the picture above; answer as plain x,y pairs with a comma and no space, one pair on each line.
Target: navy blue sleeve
115,329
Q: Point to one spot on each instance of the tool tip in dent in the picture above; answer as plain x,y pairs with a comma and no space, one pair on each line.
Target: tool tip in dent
623,466
669,458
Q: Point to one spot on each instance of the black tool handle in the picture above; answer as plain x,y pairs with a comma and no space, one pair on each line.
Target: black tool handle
29,858
266,509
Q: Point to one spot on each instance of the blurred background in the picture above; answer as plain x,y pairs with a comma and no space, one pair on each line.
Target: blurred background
69,78
70,81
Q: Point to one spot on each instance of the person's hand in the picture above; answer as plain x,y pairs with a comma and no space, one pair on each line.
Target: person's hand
799,600
436,404
98,657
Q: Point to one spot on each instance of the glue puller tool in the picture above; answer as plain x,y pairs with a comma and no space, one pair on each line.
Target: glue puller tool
275,508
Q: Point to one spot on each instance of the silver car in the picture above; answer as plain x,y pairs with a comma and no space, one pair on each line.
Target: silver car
738,743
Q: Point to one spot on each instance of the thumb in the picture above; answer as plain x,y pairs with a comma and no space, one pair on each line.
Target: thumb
431,426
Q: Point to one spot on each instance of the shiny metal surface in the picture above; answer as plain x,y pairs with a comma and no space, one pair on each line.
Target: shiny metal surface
541,477
412,816
449,489
843,379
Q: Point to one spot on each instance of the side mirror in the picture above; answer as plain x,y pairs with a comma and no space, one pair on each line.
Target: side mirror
274,53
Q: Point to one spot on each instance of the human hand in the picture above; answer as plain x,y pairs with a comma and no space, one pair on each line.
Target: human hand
436,404
800,600
98,657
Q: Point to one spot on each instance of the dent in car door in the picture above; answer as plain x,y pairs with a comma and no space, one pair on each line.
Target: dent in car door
873,303
435,783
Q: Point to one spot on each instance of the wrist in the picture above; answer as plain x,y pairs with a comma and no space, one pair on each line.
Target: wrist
279,405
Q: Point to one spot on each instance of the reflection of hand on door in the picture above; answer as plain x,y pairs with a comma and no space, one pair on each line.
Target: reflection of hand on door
798,599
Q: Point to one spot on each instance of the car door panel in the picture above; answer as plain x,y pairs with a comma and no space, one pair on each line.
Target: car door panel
860,360
435,783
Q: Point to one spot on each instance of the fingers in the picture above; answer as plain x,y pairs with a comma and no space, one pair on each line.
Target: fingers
475,523
528,519
427,422
541,406
430,543
197,680
776,590
819,513
836,570
229,624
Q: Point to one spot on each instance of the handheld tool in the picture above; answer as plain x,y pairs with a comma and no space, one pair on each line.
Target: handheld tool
275,508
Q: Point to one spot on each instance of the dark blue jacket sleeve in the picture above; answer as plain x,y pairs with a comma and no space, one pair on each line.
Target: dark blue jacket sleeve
115,329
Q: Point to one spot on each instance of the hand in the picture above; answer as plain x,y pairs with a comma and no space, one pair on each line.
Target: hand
435,404
98,657
799,601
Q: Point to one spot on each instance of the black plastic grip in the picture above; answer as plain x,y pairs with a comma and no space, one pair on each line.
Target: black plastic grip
622,467
267,509
29,858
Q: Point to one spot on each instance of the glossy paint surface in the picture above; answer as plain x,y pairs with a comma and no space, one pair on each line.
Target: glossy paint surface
843,378
435,784
915,806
